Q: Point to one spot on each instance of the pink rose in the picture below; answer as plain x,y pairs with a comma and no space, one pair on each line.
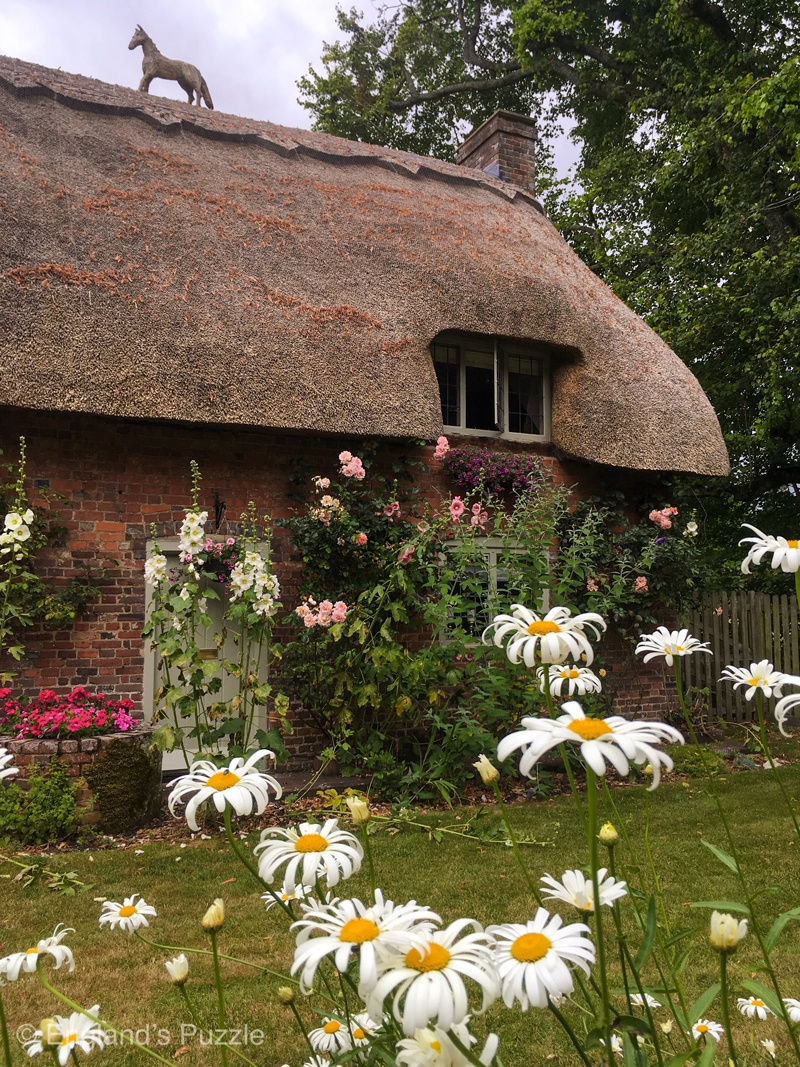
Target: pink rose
442,448
339,611
361,538
345,457
456,508
640,585
591,585
310,620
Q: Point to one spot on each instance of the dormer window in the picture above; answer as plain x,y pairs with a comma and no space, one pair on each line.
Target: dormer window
492,387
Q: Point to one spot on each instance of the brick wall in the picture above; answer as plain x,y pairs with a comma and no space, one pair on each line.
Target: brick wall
505,147
119,477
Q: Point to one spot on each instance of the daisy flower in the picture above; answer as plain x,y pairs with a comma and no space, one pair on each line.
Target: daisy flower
361,1027
557,635
432,1047
332,1037
11,967
760,677
5,759
639,1001
725,932
704,1027
616,1044
614,739
792,1008
769,1047
320,851
534,958
576,889
316,1061
785,554
129,915
348,926
237,786
429,983
576,680
753,1008
286,895
74,1031
786,704
669,644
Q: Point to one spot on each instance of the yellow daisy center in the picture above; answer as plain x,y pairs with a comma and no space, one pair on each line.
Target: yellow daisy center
70,1038
757,1003
590,729
435,959
32,951
793,544
571,673
531,947
311,843
357,931
701,1028
358,1034
436,1046
544,626
755,681
222,780
680,648
127,911
331,1026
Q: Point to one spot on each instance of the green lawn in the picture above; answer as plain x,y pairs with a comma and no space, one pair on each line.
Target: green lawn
456,877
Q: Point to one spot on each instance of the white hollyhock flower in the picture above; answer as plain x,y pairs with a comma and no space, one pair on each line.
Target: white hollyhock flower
759,677
129,915
785,554
753,1008
74,1031
155,569
534,958
704,1027
669,644
576,889
615,740
349,927
11,967
429,984
237,786
6,759
556,636
318,851
577,681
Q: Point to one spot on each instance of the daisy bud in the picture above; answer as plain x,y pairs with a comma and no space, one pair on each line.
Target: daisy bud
51,1035
359,810
215,916
178,969
726,932
285,994
608,835
666,1028
488,772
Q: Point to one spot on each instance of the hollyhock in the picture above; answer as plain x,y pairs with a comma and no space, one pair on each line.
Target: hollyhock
456,508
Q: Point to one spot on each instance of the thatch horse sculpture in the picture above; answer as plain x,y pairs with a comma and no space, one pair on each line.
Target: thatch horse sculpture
154,65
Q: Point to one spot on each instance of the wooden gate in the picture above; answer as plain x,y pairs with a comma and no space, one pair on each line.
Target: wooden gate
741,628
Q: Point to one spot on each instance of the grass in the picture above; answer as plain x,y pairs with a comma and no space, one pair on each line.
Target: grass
456,877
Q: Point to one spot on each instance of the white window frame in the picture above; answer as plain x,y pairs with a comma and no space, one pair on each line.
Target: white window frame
499,351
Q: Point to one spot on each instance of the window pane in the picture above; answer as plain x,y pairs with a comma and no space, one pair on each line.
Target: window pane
479,372
445,362
525,395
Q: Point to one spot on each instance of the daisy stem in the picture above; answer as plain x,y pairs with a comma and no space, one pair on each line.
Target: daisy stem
569,1032
551,711
302,1029
220,994
762,733
726,1017
591,800
222,956
245,860
4,1034
515,844
73,1056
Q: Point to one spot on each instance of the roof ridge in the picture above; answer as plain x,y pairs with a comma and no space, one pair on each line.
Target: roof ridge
23,78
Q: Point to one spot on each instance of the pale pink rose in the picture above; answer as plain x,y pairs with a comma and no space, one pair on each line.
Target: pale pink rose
302,610
442,448
591,585
345,457
339,612
322,483
325,607
456,508
661,519
640,585
361,538
310,620
353,469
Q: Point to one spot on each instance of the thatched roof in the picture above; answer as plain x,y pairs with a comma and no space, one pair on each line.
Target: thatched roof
166,262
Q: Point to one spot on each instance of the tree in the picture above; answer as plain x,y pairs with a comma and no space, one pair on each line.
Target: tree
686,195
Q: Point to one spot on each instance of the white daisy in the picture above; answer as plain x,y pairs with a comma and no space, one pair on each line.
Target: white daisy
129,915
432,1047
769,1047
613,739
286,895
576,680
429,984
316,1061
361,1028
11,967
753,1007
576,889
557,635
76,1031
786,704
639,1001
704,1027
785,554
792,1008
348,926
333,1037
321,850
760,677
237,786
669,644
725,932
616,1045
533,958
6,758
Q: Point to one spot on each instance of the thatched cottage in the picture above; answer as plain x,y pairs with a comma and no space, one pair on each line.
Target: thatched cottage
177,283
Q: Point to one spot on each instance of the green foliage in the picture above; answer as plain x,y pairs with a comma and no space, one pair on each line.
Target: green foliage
126,786
43,813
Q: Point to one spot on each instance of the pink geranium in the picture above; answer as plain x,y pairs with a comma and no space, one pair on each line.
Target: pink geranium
456,508
81,713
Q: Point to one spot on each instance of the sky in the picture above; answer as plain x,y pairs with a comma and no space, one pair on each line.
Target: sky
250,52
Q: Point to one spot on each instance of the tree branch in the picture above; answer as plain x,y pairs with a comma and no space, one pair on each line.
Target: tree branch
712,16
472,85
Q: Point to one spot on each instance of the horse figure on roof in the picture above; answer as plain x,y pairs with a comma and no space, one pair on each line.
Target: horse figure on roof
154,65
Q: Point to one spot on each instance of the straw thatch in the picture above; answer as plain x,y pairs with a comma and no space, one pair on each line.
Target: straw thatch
165,262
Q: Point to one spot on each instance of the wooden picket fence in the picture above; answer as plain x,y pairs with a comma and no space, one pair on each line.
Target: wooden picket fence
741,628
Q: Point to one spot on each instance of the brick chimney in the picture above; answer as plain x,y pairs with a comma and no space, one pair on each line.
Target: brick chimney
503,147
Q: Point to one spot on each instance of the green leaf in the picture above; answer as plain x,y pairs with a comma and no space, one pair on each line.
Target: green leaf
722,905
164,738
708,1053
721,855
703,1003
648,940
680,1059
767,995
778,925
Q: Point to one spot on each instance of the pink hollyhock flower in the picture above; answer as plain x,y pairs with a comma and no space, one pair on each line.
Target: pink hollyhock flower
456,508
230,542
361,538
392,510
640,585
591,585
442,448
479,519
405,554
